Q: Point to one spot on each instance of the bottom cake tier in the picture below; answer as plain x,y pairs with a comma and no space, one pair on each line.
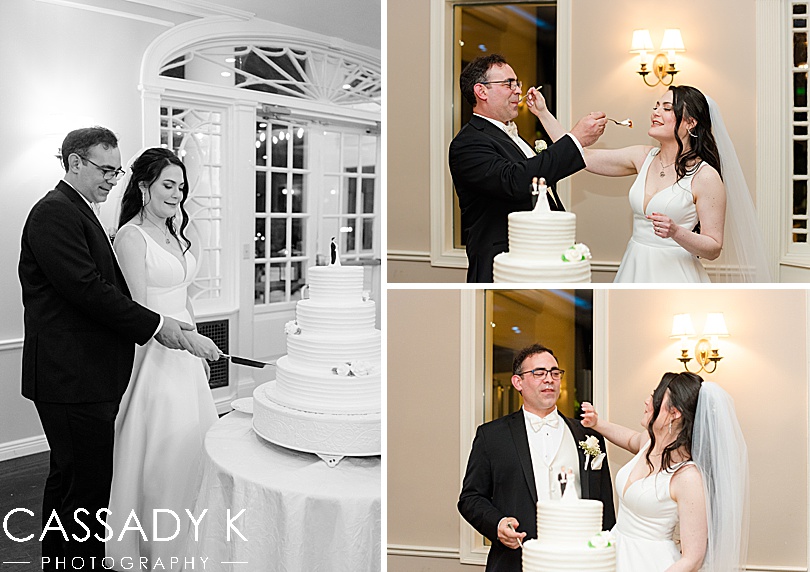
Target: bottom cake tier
328,435
513,269
541,557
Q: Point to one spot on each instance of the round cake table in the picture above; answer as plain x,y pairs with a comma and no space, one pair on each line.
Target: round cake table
299,514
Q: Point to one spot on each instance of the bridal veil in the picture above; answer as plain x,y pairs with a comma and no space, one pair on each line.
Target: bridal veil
719,451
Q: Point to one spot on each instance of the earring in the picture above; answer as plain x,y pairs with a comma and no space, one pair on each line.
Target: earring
691,134
670,427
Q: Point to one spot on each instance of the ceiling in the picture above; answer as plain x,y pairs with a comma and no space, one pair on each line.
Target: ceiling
357,21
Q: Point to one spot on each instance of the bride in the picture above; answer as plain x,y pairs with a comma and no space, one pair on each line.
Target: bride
168,406
690,468
690,200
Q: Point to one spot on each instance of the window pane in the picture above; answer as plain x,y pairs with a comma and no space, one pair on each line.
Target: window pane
298,233
260,238
298,193
800,157
261,192
368,234
261,143
799,49
330,154
349,233
277,280
260,280
800,89
368,154
351,153
330,198
278,191
278,237
297,280
350,200
368,195
800,197
299,148
279,141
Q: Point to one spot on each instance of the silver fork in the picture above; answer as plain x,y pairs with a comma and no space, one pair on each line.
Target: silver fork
626,123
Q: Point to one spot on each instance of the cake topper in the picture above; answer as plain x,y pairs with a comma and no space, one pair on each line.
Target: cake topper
539,190
335,257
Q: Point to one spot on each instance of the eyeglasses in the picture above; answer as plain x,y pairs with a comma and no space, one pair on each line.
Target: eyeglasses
542,373
509,83
108,174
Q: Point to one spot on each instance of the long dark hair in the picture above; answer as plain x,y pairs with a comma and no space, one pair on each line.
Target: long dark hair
688,102
683,395
146,169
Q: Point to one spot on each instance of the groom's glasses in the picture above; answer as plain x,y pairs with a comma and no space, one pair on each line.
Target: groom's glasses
542,373
509,83
107,173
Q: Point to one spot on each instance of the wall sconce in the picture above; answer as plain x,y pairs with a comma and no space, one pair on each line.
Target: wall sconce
663,65
707,350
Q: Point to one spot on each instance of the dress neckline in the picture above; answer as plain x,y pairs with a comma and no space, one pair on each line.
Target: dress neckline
647,163
183,263
636,460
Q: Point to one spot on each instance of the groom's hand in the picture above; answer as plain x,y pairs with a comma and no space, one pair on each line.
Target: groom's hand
171,334
508,534
590,417
590,128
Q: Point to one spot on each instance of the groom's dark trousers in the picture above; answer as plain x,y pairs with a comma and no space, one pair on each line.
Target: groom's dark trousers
499,482
493,178
81,328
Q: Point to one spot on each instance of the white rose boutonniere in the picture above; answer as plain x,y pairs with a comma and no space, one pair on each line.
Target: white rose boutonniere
576,253
540,146
592,451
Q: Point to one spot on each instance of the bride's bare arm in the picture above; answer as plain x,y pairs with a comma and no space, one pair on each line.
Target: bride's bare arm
130,249
686,489
619,435
608,162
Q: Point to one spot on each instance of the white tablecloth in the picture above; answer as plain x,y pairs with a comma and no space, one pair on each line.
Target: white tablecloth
300,515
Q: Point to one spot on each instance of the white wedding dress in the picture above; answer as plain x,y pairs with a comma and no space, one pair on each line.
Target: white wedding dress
160,426
646,520
650,258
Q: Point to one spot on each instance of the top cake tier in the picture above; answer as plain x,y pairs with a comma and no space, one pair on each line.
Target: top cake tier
563,521
541,234
335,283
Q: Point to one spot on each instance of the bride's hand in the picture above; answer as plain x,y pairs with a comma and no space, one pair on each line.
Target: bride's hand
589,415
202,346
663,226
535,101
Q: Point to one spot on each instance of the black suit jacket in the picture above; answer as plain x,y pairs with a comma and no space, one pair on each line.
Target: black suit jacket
500,482
493,178
81,325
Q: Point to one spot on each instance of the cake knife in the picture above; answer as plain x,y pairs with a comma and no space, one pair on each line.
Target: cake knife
512,528
248,362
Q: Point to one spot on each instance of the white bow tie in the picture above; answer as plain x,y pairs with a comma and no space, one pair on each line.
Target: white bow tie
552,420
511,129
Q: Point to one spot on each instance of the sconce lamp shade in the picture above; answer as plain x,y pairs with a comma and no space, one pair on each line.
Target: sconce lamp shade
682,326
642,42
672,41
715,325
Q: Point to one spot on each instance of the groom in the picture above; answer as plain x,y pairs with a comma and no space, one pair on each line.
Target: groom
81,327
492,169
515,461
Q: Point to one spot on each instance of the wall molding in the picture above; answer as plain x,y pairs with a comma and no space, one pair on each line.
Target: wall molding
23,447
409,255
11,344
109,12
422,551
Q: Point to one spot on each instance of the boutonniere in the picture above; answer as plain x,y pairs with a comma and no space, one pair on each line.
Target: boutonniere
593,453
540,146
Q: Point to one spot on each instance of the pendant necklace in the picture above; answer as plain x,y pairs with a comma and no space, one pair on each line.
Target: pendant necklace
165,231
662,174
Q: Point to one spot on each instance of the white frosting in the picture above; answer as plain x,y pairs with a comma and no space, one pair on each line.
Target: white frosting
335,283
326,395
537,241
564,528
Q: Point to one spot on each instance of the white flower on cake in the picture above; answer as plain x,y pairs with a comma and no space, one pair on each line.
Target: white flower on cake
357,368
540,146
576,253
601,539
292,328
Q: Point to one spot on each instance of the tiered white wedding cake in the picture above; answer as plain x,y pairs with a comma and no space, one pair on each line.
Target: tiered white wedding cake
569,539
542,249
326,395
